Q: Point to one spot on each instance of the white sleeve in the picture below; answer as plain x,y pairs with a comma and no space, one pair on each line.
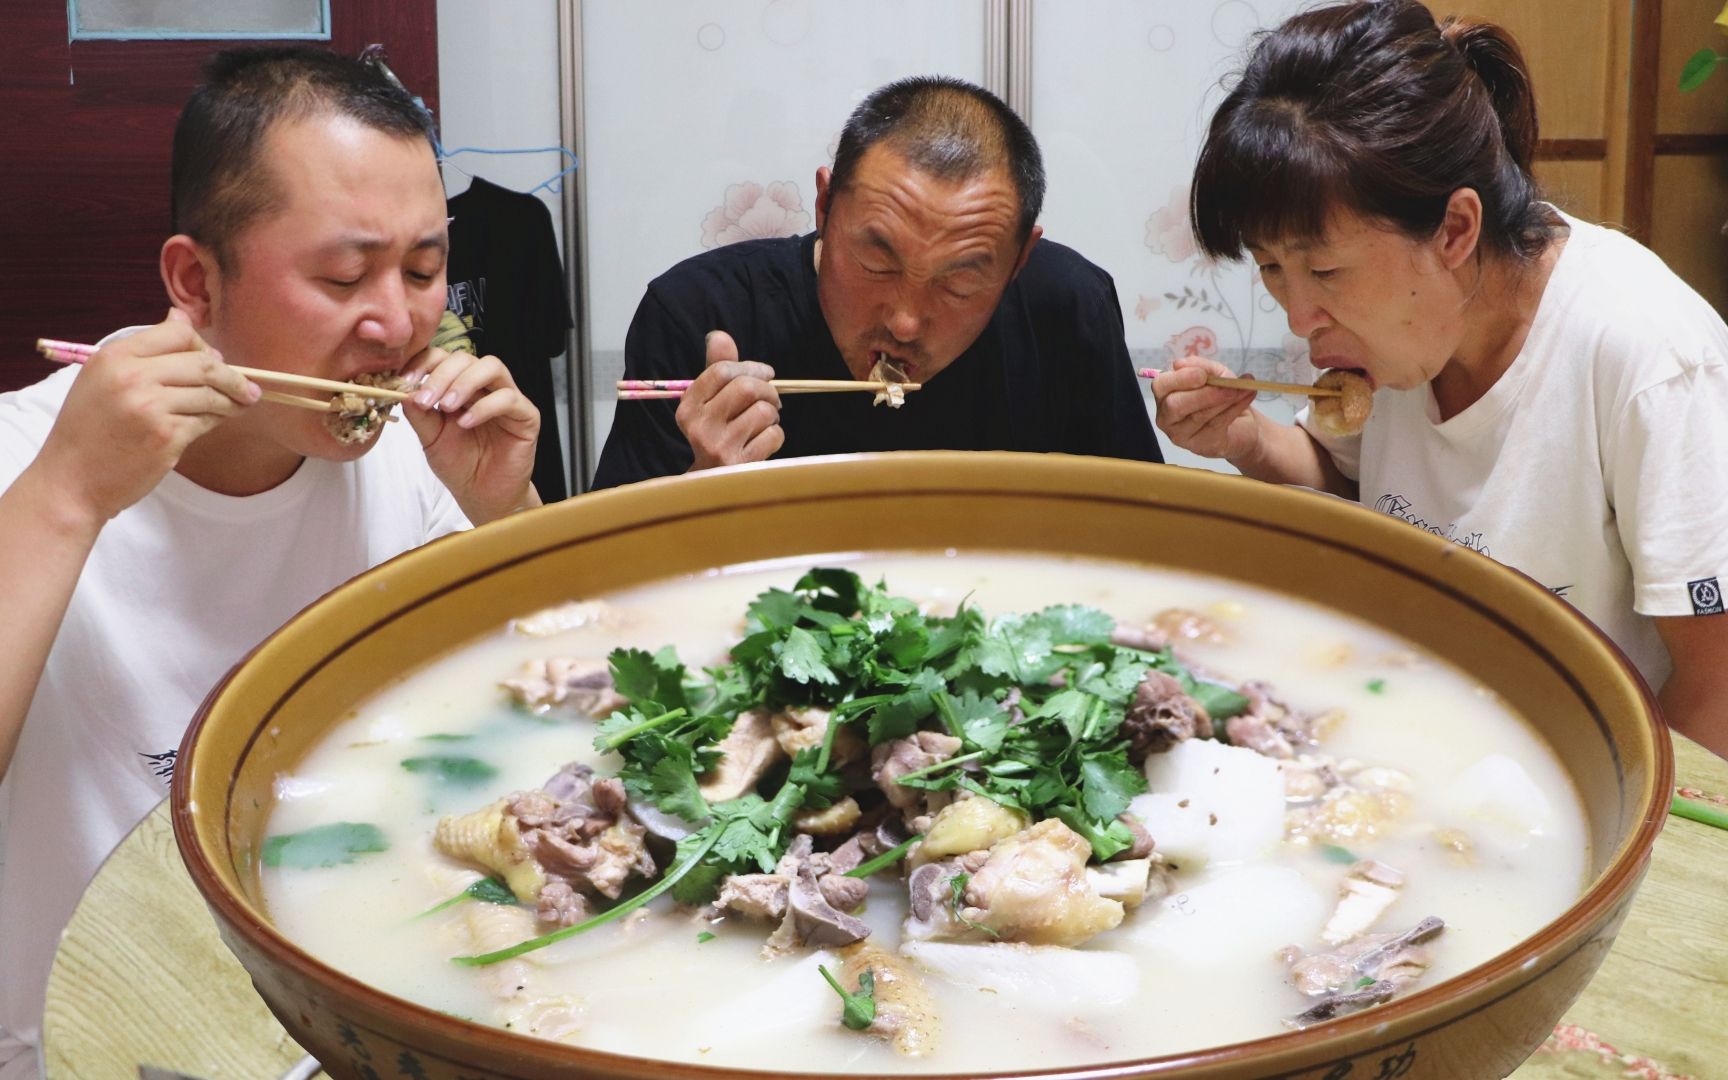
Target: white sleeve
1344,450
1667,478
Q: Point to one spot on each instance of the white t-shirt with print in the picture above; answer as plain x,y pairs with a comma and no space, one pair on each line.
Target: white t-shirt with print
1597,464
177,589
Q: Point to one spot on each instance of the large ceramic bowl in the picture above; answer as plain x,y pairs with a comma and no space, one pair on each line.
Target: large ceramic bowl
1505,630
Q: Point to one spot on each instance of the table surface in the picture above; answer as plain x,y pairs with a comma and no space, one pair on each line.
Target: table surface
142,978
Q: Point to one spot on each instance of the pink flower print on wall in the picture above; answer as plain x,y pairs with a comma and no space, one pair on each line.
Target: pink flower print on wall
1145,306
1167,230
751,212
1194,341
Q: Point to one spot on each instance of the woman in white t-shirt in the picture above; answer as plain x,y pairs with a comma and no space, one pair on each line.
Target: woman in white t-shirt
1545,391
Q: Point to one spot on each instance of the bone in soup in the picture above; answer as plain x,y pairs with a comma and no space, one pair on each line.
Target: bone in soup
1000,813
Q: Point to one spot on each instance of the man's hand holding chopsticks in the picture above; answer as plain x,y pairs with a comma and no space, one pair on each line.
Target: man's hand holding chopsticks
136,406
478,431
731,413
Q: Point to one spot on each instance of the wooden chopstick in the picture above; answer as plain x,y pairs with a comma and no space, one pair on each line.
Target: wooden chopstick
653,389
1256,384
70,352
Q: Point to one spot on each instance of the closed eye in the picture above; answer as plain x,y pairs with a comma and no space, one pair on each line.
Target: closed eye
1324,275
341,283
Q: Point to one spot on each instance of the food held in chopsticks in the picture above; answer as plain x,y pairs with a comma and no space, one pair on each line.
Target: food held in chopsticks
893,380
356,417
1346,413
1230,382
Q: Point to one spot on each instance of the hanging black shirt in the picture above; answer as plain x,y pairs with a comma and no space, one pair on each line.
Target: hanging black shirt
507,284
1050,372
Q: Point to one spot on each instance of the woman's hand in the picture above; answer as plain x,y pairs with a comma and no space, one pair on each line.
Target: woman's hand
478,430
1207,420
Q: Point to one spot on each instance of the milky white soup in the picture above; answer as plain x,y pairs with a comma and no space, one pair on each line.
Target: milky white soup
1483,830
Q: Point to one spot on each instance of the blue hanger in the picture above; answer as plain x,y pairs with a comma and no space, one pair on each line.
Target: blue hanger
374,55
554,184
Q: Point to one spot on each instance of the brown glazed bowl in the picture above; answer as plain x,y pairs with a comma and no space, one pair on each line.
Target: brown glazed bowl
1533,650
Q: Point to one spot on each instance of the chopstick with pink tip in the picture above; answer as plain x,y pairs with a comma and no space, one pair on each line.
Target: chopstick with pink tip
71,352
652,389
1256,384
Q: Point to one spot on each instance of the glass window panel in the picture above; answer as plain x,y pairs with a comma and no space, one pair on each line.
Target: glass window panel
201,19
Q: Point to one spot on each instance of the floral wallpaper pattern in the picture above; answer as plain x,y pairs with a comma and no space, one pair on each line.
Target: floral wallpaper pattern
751,212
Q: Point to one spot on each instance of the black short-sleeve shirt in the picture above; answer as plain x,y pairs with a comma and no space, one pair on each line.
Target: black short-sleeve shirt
1050,372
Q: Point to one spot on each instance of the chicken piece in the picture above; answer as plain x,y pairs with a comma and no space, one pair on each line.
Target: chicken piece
905,1013
829,821
810,919
898,757
559,1018
572,615
1363,896
933,910
584,685
972,824
804,729
1347,413
1388,963
887,372
1033,888
754,896
490,838
1347,816
1180,624
355,418
490,927
747,752
1160,716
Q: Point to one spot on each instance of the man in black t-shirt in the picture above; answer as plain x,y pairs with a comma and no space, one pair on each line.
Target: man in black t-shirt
927,255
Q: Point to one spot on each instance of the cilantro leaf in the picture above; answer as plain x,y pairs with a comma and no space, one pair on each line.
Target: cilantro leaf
672,787
1108,782
833,590
957,899
801,658
324,845
857,1010
449,769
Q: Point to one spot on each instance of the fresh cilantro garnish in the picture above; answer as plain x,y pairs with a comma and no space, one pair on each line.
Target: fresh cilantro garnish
704,937
487,890
857,1011
1334,853
1376,686
324,845
449,769
957,900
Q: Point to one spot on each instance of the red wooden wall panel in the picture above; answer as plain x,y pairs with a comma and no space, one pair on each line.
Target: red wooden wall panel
85,129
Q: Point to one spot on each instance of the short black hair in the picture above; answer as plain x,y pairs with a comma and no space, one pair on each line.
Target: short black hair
219,183
950,129
1373,107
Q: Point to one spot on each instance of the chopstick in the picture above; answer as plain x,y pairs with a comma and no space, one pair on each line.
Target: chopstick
652,389
70,352
1256,384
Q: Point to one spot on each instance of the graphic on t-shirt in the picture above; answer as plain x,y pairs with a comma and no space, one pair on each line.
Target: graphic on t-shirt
468,300
1706,596
1399,507
162,764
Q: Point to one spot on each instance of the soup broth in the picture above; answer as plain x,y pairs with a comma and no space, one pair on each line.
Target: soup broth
1482,829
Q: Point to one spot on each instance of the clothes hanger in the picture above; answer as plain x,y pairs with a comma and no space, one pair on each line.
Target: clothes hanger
374,55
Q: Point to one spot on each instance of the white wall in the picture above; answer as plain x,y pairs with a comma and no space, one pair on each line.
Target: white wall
498,89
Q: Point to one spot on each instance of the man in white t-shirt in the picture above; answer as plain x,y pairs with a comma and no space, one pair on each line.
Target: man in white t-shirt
158,519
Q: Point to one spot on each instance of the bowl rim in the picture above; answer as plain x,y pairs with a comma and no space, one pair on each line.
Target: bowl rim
1601,901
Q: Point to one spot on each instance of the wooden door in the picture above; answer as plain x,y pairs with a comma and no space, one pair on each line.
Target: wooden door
85,129
1679,194
1578,54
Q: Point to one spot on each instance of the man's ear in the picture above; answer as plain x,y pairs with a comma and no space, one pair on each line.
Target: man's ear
1461,229
1026,250
193,278
824,193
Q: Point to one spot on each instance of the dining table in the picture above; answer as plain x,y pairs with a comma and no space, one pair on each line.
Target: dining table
142,986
